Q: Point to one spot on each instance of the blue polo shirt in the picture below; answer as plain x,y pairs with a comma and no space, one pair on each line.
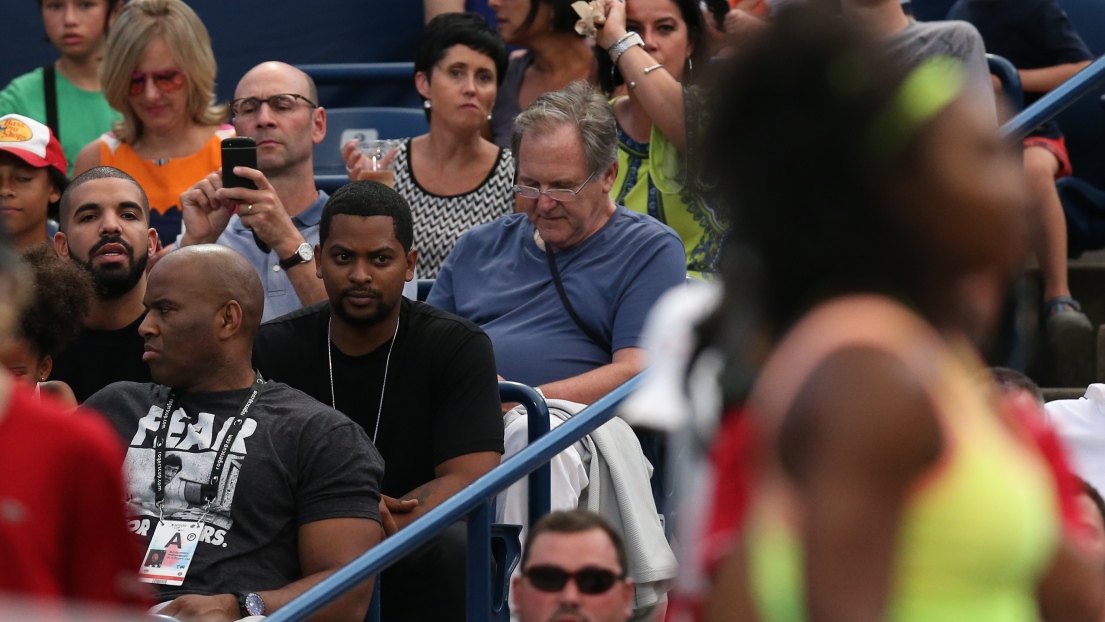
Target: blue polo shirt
498,278
280,296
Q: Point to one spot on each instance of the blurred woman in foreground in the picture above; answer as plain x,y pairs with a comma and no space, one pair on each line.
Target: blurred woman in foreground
886,219
64,535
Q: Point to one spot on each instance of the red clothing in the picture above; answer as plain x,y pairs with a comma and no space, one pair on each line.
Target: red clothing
730,471
63,531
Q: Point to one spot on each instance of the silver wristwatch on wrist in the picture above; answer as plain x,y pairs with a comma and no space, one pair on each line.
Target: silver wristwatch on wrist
621,45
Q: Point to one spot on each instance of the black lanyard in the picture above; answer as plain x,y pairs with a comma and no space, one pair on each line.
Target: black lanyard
220,457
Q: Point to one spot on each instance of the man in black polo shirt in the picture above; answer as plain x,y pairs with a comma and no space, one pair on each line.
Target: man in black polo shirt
421,382
105,228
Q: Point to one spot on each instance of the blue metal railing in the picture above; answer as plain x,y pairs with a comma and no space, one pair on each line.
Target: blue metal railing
351,73
1050,105
474,497
1010,79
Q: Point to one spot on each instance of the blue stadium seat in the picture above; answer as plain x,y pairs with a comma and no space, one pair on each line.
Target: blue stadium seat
343,124
1084,122
424,287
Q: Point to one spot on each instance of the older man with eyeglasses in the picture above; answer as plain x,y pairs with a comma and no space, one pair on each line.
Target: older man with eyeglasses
563,289
275,226
573,568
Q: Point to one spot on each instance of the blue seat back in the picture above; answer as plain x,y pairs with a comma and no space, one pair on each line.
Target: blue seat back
343,124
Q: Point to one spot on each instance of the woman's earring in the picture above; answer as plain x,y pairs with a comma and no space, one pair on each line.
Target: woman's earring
489,116
426,104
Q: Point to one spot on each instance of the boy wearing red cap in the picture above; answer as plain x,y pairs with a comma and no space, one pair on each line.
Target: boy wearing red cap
32,178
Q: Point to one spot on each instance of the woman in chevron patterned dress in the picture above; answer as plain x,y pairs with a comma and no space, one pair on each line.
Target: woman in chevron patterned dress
452,177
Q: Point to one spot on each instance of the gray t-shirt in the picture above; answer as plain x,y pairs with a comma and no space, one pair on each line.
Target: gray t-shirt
923,40
295,461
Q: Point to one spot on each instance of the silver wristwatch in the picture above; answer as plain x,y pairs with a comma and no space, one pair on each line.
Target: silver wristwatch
303,254
621,45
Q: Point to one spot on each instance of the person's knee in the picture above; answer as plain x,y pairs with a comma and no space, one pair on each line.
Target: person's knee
1040,165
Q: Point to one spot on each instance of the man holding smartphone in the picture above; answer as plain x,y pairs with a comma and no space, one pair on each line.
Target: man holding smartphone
275,227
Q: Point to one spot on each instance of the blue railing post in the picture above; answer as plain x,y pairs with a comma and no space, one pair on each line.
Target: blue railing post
452,509
1050,105
478,563
537,412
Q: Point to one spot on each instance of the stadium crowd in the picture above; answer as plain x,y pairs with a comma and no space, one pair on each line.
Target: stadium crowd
798,219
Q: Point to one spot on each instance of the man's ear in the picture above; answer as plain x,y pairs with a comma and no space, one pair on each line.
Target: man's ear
151,242
61,245
230,319
318,125
412,261
628,596
318,260
608,177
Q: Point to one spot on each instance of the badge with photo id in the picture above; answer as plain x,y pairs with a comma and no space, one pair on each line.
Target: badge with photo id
170,553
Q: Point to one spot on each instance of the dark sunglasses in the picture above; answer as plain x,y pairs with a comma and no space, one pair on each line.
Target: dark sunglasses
589,579
166,81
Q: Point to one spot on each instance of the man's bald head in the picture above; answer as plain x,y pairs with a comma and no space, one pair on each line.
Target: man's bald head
218,275
286,138
275,69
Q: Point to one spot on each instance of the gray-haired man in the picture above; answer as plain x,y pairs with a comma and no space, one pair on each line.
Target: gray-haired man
563,289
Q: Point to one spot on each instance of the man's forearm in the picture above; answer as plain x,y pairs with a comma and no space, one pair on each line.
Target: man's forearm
589,387
429,496
1047,78
308,287
349,608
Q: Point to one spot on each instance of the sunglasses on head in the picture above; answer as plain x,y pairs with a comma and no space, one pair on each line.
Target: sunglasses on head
589,579
166,81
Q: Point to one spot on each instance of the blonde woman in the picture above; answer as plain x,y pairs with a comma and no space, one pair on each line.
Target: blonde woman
159,72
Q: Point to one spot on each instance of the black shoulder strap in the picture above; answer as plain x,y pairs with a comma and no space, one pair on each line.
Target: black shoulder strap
603,343
50,94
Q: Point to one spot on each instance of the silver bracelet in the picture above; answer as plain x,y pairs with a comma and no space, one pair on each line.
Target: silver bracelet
621,45
652,68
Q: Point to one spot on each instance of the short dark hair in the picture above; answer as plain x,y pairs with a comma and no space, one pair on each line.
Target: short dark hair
610,77
467,29
369,198
62,296
563,20
174,460
1006,378
99,172
59,181
576,521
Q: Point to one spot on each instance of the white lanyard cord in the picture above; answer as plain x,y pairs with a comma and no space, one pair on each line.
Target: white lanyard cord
387,363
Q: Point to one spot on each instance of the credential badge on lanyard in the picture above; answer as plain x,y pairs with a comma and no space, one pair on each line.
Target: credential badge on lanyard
174,542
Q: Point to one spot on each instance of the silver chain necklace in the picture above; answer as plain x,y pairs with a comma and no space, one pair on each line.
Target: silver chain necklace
387,363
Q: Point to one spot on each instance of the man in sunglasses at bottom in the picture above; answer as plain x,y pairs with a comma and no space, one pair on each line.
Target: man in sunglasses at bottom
573,564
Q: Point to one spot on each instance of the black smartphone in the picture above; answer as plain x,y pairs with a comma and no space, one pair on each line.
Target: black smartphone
238,151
